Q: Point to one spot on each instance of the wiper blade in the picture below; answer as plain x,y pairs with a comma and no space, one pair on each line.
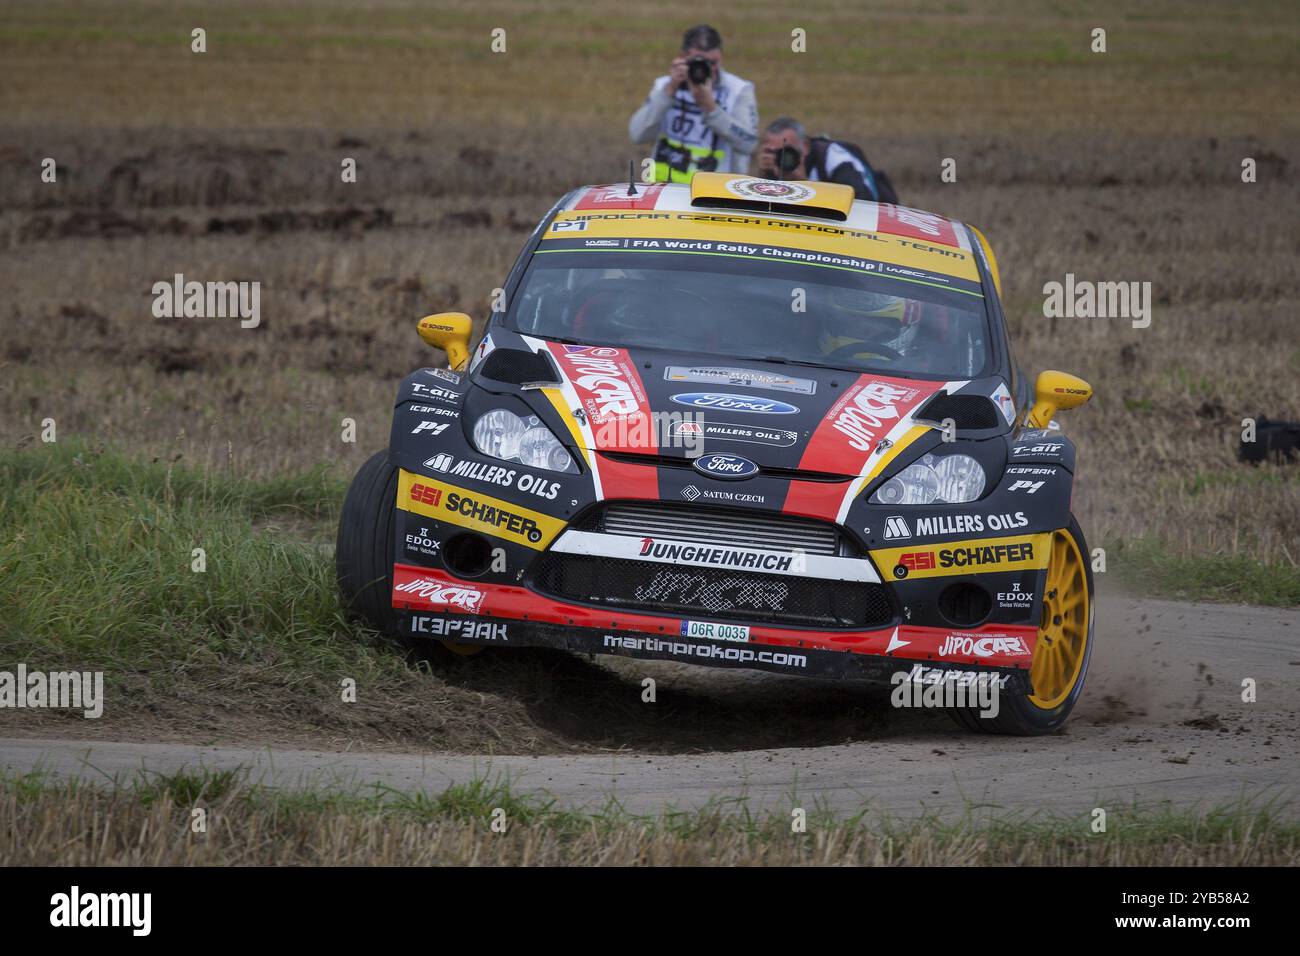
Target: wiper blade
780,360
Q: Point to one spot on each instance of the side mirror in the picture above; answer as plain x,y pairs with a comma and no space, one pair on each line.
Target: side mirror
449,331
1055,390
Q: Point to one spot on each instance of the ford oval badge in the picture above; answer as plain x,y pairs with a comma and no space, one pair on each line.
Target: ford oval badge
727,467
726,402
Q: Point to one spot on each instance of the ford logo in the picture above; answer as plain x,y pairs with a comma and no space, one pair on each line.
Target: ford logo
729,467
735,403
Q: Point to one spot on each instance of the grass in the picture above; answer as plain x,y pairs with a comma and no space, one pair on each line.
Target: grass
193,433
147,821
925,64
110,544
1155,569
97,558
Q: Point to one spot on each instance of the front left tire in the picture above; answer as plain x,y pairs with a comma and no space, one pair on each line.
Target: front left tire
1061,654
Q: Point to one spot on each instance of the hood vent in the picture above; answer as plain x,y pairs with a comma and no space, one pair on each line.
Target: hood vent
968,412
517,367
817,200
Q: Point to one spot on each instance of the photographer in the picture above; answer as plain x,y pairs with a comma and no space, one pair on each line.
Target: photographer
705,118
789,153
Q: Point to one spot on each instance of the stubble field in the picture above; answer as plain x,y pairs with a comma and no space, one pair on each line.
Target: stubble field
1122,166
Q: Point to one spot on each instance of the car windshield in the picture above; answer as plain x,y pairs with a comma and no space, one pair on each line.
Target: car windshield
754,308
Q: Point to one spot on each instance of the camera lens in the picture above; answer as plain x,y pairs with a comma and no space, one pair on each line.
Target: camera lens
699,69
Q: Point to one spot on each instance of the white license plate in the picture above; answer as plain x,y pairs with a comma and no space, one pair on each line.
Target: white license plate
716,632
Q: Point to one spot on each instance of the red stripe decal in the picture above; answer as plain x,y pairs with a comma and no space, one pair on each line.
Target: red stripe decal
815,499
997,645
621,479
612,395
994,645
843,441
902,221
616,197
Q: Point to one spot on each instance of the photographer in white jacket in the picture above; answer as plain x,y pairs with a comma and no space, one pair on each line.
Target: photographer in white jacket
700,117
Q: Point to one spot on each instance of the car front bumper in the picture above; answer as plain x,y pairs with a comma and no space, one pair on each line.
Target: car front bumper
433,604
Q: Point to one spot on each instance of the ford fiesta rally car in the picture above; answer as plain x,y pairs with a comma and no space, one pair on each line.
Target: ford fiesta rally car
740,423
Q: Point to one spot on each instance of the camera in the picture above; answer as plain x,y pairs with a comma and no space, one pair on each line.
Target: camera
699,69
788,159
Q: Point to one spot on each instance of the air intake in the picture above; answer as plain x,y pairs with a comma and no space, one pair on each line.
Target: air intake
517,367
819,200
966,411
755,205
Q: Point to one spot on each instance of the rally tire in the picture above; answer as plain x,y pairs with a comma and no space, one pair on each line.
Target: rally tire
363,553
1028,715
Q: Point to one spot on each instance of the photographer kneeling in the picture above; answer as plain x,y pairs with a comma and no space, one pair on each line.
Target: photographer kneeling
789,153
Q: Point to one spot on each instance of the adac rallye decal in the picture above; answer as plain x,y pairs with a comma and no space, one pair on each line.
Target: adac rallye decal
902,221
617,197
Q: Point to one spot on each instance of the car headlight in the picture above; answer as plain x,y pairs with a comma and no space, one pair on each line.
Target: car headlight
503,434
934,479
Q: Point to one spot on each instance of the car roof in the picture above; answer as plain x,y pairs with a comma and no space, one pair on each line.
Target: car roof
896,235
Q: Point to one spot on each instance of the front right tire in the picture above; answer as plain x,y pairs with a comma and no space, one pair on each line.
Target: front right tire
363,552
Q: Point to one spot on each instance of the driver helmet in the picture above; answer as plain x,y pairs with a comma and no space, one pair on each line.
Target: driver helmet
848,320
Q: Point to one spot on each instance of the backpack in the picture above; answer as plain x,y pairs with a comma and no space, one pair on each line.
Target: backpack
884,188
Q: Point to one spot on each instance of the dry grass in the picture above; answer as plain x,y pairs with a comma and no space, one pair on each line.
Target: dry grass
1123,166
150,824
952,65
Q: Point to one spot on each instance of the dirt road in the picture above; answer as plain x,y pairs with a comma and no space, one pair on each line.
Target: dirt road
1162,720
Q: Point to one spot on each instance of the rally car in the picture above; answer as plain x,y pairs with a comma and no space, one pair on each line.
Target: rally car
740,423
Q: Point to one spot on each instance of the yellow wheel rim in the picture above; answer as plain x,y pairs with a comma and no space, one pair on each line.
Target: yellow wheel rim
1063,630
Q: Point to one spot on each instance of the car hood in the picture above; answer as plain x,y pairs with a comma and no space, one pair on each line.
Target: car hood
655,403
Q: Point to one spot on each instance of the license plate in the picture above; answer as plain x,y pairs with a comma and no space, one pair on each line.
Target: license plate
716,632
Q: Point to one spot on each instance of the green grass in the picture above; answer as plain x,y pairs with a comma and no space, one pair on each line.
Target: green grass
1245,478
1158,570
97,556
186,787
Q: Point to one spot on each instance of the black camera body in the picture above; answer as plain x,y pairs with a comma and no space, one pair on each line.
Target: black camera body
788,159
699,69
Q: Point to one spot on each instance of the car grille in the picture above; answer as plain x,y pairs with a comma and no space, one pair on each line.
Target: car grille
718,526
712,592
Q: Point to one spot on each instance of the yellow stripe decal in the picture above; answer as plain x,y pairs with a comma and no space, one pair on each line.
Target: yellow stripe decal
476,511
1025,552
557,399
911,435
747,228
